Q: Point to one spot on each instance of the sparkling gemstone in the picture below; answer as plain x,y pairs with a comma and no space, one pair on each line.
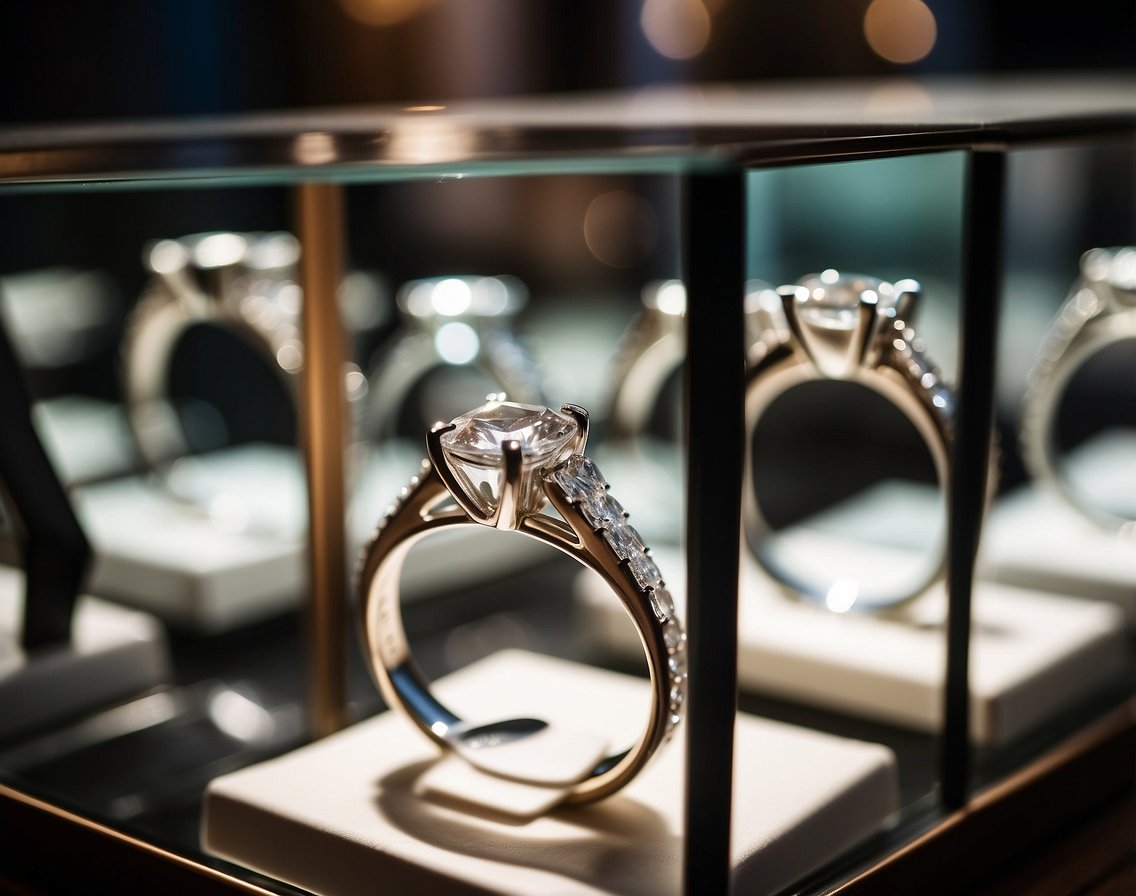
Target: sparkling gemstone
602,510
831,301
662,602
676,662
624,540
647,573
676,696
673,635
474,449
580,478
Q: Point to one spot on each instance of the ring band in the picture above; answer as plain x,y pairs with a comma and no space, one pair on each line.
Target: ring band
242,282
651,349
1100,311
854,328
501,464
454,321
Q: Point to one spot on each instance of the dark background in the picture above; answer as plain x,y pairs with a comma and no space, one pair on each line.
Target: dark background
186,57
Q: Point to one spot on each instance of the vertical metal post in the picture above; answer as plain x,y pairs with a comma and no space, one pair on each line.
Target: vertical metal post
714,262
974,418
323,427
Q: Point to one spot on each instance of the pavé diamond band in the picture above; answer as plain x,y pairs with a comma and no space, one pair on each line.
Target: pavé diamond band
1100,311
500,466
854,328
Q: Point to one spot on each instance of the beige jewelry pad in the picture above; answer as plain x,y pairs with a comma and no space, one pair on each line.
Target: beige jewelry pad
1035,540
344,815
1033,655
156,552
114,653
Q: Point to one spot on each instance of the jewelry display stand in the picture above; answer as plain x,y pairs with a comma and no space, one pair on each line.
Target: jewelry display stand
60,653
340,814
734,799
1035,540
1033,654
113,653
87,439
159,553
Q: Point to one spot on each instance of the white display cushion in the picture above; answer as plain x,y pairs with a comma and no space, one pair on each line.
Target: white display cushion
86,438
114,653
1033,655
1035,540
346,814
216,573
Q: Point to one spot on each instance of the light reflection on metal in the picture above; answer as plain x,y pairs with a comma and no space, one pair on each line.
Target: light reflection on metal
314,148
457,343
423,139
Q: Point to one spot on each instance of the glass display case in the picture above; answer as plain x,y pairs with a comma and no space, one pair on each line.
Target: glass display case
801,328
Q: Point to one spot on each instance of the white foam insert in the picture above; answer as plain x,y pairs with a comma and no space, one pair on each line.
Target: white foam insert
86,438
1035,540
246,560
114,653
345,814
1032,654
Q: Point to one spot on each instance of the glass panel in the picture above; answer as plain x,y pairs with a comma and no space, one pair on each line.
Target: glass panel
1058,534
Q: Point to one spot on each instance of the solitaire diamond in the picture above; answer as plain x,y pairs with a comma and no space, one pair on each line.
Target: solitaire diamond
830,301
475,448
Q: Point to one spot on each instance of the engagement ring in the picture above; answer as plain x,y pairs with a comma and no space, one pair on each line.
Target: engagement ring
833,326
504,465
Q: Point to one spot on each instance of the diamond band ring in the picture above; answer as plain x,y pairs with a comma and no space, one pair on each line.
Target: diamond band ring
1099,312
244,283
831,326
502,465
449,322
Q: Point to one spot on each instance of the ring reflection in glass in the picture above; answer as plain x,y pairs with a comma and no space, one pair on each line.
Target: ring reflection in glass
866,545
1092,336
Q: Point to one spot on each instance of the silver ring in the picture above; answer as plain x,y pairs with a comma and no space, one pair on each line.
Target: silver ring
245,283
651,349
501,464
452,321
1099,311
853,328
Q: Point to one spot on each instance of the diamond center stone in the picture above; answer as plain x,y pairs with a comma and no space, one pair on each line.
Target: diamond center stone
474,448
830,300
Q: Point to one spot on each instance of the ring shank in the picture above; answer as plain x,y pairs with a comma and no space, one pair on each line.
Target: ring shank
403,684
899,383
1049,382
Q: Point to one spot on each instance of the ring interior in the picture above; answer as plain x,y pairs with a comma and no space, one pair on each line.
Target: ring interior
411,686
758,531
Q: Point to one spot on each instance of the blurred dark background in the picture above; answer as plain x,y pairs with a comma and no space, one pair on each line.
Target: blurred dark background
188,57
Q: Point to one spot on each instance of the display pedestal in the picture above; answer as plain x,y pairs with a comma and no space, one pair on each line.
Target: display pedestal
87,439
245,560
346,814
1034,540
114,653
1033,655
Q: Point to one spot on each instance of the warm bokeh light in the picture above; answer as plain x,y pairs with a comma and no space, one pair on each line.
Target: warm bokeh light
901,31
620,228
384,12
677,29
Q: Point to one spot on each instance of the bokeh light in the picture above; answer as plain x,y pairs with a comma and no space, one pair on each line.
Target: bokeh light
677,29
900,31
